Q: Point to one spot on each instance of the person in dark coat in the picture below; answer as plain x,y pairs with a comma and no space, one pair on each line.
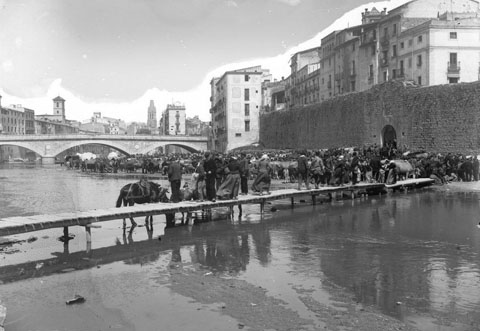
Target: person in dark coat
229,187
244,173
302,169
175,179
476,168
354,167
376,165
210,168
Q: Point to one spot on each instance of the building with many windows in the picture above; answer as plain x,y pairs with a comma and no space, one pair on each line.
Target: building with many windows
302,86
173,120
273,96
426,42
236,98
196,127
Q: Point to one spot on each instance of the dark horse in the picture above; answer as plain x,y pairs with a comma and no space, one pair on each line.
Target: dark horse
132,193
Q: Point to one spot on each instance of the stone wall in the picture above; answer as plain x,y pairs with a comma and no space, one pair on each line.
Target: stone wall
443,118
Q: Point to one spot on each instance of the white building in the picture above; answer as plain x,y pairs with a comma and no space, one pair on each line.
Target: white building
236,98
173,120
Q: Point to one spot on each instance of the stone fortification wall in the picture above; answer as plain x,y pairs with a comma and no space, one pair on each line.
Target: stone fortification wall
442,119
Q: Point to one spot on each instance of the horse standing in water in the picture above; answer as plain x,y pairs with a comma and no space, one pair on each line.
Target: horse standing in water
133,193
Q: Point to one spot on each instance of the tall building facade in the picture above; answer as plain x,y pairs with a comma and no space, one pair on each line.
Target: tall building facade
424,42
152,117
236,98
173,120
302,65
16,119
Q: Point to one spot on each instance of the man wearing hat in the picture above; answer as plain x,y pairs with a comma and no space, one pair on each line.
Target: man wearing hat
210,175
244,173
302,169
175,179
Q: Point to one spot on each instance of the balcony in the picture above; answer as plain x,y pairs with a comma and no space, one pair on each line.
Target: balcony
385,40
453,70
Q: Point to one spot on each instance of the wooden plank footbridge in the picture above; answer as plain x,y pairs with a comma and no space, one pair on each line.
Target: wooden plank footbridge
24,224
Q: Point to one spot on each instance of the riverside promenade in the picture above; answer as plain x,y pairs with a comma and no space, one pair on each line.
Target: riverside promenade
24,224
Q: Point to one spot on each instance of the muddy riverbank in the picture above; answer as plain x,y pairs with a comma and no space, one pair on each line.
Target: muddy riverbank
401,261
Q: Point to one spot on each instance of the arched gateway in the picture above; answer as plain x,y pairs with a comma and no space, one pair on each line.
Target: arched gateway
389,136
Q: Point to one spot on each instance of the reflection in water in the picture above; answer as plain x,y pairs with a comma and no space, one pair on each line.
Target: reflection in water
418,249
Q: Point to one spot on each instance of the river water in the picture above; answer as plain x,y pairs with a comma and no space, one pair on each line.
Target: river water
411,256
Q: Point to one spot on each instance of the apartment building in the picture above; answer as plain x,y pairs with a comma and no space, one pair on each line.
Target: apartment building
273,96
173,120
236,98
303,83
428,42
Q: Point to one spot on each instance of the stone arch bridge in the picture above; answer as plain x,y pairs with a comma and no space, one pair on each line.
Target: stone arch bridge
49,146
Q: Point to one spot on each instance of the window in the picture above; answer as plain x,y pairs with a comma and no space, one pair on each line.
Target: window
419,39
57,104
247,94
419,80
410,62
453,35
353,47
247,126
385,76
247,78
452,80
394,29
410,42
419,60
385,32
394,50
238,134
374,50
247,109
370,71
352,86
453,59
402,45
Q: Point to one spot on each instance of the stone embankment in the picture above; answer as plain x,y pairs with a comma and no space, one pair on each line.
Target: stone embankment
441,118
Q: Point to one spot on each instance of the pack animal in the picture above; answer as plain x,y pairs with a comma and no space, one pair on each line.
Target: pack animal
133,193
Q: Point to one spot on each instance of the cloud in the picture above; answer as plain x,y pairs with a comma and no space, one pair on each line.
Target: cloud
18,42
231,3
196,100
291,2
7,66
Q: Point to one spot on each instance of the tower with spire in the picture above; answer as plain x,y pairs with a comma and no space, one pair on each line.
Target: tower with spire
152,116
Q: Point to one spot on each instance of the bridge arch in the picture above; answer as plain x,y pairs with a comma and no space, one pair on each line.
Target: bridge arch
71,144
25,145
189,147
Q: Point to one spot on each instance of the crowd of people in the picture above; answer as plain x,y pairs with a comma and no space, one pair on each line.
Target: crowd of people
226,176
217,176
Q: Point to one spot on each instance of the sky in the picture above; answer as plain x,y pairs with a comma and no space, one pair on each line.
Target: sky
114,56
